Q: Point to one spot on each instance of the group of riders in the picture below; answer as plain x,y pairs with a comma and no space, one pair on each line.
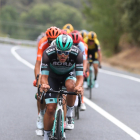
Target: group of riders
62,57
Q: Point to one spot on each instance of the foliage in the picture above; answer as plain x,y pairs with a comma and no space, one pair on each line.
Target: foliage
8,15
30,23
104,20
131,19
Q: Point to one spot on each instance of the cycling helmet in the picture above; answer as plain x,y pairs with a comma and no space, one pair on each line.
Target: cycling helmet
92,35
67,31
64,42
76,38
53,32
68,26
63,32
75,31
83,34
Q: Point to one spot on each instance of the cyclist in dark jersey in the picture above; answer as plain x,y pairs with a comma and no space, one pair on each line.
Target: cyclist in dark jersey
62,62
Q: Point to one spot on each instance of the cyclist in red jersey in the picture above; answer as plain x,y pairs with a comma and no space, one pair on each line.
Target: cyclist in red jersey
51,34
76,36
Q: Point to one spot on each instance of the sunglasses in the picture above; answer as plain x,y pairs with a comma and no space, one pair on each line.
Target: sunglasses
63,52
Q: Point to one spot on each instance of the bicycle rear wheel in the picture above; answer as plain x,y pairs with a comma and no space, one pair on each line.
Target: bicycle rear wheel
59,125
90,85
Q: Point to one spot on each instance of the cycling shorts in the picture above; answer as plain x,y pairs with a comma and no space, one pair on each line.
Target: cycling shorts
94,55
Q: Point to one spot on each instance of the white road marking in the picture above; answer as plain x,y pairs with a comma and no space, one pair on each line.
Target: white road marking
125,128
119,75
112,119
13,51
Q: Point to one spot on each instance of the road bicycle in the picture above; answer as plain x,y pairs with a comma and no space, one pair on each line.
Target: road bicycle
57,132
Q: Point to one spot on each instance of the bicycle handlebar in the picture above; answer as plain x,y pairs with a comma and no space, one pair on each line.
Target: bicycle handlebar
62,92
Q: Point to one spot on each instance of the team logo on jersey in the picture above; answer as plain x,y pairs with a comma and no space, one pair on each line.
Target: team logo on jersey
50,94
50,50
43,64
79,64
62,64
74,50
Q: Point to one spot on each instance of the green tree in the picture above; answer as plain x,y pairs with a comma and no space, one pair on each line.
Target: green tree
104,18
8,17
40,17
63,14
131,19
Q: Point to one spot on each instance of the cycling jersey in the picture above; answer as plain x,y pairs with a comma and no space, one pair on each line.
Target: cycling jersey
81,46
50,61
42,45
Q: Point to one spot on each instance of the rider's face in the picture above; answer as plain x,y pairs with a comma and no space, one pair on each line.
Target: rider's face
90,42
62,58
50,40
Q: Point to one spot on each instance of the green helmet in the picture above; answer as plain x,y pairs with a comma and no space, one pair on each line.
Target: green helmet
64,42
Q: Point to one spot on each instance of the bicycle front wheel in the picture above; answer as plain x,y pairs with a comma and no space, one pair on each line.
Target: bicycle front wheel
59,125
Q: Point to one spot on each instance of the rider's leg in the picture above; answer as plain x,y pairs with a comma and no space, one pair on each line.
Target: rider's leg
41,109
95,65
50,105
49,116
49,119
70,84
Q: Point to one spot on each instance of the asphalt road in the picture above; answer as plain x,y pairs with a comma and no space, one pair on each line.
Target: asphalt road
118,96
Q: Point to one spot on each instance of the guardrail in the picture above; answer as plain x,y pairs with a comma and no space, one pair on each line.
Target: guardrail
17,41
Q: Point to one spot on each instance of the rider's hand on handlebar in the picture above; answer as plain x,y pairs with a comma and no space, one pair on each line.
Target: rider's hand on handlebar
44,87
78,90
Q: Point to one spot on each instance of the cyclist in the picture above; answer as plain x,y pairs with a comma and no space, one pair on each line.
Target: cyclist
67,31
94,52
68,26
77,42
60,63
83,34
40,37
51,34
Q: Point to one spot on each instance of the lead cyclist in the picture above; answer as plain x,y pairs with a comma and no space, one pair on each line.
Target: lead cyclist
62,62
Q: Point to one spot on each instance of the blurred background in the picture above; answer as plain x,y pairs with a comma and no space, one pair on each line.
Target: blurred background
116,23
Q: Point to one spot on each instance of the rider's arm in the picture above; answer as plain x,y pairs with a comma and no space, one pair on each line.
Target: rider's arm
37,68
99,56
79,70
45,68
42,45
98,50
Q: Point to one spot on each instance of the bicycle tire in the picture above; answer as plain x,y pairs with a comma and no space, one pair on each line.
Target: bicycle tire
90,92
77,112
59,123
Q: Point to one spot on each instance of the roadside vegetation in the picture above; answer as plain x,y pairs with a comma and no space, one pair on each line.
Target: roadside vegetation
116,22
